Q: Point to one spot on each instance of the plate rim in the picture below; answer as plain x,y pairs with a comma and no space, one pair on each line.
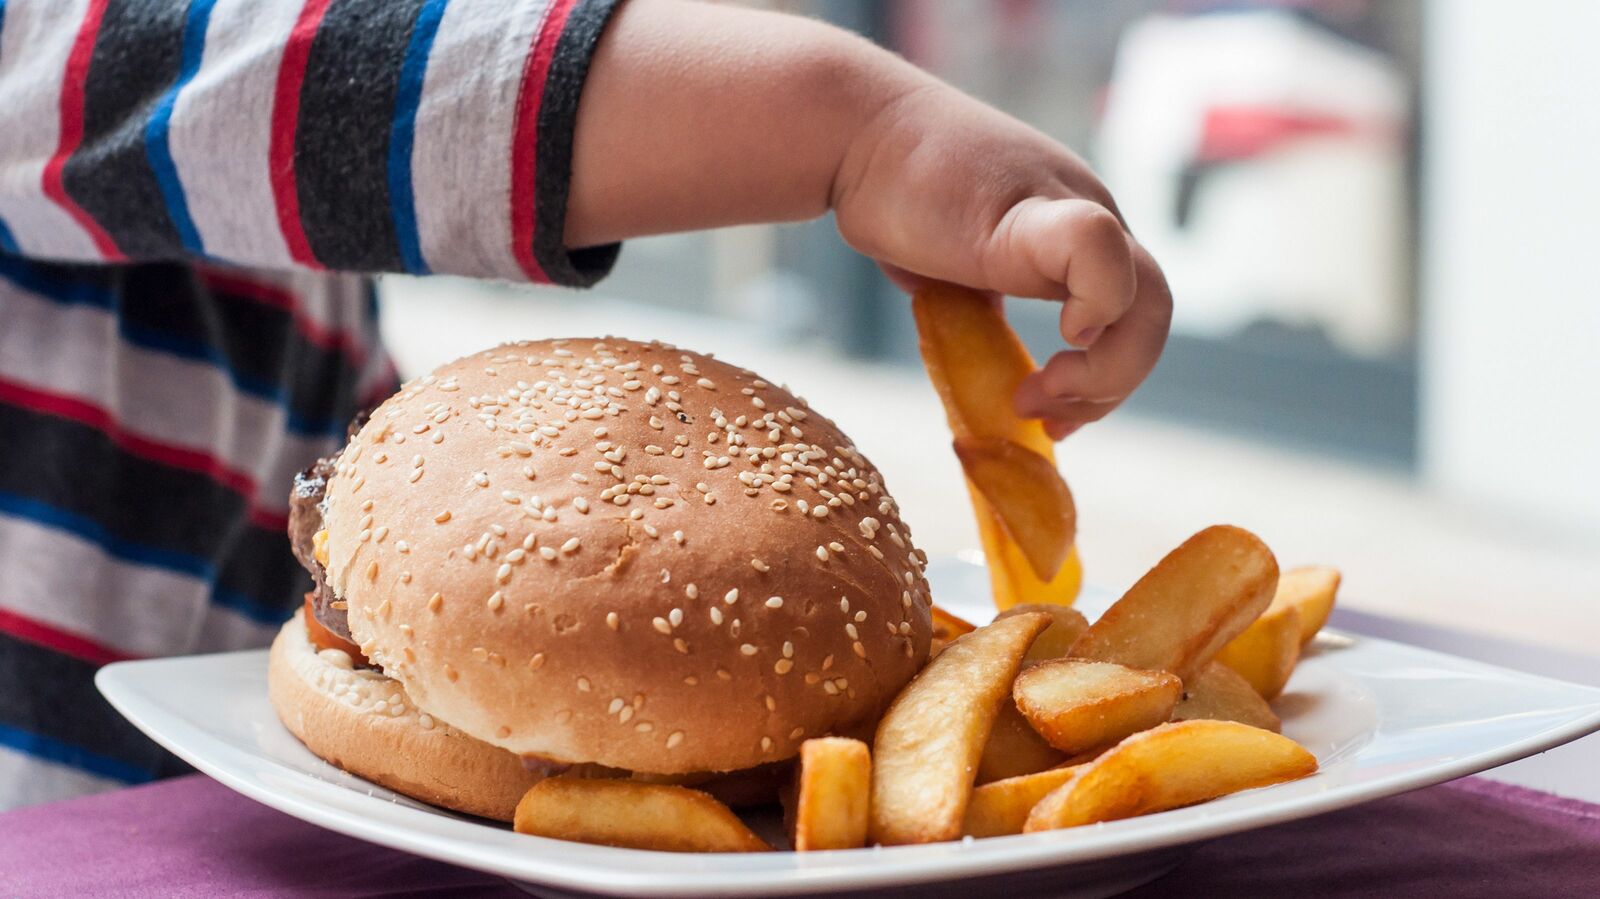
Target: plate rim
1016,853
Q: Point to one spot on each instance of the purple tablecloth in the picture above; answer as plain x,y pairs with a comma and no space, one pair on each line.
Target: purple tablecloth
191,837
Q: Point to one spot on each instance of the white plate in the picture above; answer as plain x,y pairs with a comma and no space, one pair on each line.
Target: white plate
1381,717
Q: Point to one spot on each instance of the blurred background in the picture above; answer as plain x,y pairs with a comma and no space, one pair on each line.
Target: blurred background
1377,219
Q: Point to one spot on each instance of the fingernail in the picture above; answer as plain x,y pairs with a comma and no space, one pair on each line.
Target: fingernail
1088,335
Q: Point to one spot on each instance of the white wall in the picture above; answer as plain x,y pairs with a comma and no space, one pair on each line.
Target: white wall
1511,277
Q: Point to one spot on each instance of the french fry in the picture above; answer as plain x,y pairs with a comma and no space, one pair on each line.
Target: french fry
1014,748
976,362
1077,705
1028,497
834,781
1311,589
1001,808
1266,652
947,627
1219,693
632,815
1067,625
1169,767
927,747
1177,617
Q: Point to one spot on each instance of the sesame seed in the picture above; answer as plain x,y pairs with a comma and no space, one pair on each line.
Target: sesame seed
691,591
435,602
496,601
625,714
674,738
836,547
766,744
442,517
822,554
859,649
788,649
615,706
504,572
661,624
747,649
675,617
679,644
783,666
731,597
851,630
716,616
372,570
583,684
548,553
537,662
581,504
677,537
571,546
481,478
774,602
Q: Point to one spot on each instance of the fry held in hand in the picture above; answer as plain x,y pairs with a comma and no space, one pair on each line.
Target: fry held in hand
1001,808
1077,706
1219,693
633,815
1028,496
1169,767
1310,589
1266,653
1184,610
834,783
928,744
976,363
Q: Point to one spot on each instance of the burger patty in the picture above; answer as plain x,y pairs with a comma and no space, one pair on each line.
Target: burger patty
305,520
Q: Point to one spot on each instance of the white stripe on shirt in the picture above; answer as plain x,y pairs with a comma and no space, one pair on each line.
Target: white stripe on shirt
27,779
222,128
152,394
463,186
34,46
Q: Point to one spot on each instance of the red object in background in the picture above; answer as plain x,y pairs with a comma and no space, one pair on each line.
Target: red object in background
1231,133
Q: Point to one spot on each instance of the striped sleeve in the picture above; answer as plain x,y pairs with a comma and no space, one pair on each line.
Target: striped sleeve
415,136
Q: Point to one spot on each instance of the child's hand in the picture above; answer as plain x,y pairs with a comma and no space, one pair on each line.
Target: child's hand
941,186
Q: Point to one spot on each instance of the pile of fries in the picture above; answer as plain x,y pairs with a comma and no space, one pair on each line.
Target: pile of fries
1038,720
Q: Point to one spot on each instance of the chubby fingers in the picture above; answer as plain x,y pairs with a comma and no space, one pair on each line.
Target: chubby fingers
1079,386
1072,250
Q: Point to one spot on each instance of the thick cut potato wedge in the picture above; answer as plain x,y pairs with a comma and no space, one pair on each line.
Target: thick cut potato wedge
1067,625
1219,693
1312,590
1184,610
1266,653
926,751
834,782
1001,808
1015,748
976,362
1027,495
1077,706
632,815
1169,767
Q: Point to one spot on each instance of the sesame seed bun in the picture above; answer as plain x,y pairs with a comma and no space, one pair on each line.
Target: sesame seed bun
364,723
606,551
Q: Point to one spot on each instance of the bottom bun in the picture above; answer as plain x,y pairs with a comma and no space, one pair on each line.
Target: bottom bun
365,723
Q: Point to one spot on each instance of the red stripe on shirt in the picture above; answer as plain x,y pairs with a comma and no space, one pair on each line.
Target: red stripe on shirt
74,409
285,122
58,640
72,83
315,332
525,138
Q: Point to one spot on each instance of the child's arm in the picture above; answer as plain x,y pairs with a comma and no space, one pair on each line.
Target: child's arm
696,116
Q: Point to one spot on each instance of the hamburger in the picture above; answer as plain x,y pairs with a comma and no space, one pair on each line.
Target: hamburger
591,555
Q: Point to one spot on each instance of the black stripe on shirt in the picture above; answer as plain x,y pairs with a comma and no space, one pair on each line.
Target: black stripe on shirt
558,117
259,570
136,58
52,695
341,148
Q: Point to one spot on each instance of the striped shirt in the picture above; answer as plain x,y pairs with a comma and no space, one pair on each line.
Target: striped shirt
192,193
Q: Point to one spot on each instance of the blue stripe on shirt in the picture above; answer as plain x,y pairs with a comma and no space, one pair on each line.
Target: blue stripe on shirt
63,753
81,293
8,243
408,96
156,130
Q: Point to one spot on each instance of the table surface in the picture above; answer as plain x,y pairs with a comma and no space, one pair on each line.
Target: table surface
1475,837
